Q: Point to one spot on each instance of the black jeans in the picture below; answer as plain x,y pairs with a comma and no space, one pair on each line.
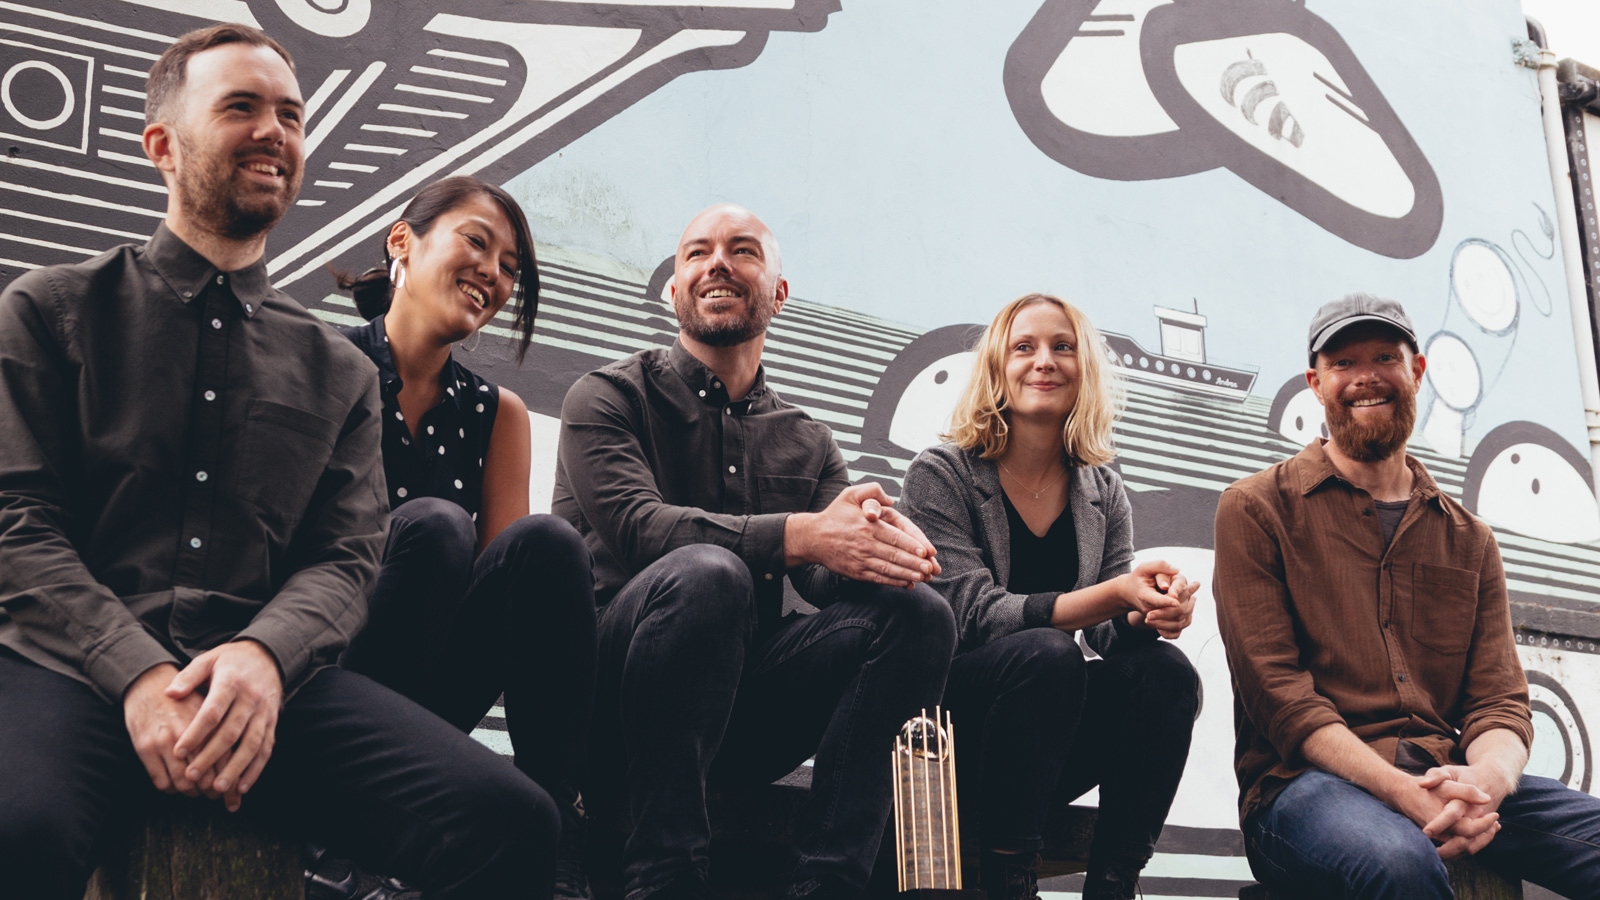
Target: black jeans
694,692
356,767
452,629
1050,725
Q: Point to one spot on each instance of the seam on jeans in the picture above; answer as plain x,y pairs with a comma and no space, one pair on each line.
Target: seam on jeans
842,752
1281,873
865,624
1549,834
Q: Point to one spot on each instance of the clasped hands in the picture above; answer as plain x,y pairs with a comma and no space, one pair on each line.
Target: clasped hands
1159,598
1457,807
207,730
861,536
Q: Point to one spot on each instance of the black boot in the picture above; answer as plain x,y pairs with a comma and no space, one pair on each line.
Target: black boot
1112,879
1010,876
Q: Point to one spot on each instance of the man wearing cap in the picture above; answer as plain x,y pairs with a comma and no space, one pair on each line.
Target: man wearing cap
1381,714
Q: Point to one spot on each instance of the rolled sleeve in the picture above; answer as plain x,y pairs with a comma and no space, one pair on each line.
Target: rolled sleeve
1495,691
1257,627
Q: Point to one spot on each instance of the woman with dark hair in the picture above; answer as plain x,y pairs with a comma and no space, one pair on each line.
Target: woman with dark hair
1035,540
475,597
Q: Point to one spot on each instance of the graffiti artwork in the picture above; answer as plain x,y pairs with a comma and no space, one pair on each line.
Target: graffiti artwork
1197,175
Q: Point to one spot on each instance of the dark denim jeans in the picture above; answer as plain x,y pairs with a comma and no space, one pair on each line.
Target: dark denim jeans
1040,726
355,766
692,692
452,629
1329,838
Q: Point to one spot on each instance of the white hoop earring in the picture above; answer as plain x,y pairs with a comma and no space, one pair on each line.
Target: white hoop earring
397,273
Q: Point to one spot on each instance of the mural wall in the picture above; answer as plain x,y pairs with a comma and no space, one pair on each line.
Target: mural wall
1198,175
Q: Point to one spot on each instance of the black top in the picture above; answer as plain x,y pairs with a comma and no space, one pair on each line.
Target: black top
1042,564
1390,512
446,459
654,456
187,457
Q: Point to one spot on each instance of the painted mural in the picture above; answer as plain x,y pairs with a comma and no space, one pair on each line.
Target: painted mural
1198,175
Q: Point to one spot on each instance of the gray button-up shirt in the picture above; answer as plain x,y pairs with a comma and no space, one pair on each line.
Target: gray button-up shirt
654,456
187,457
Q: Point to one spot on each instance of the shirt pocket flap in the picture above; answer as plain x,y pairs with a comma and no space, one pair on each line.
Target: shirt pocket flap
785,493
285,452
1444,607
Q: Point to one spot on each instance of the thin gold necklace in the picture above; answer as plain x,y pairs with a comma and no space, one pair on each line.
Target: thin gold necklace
1040,492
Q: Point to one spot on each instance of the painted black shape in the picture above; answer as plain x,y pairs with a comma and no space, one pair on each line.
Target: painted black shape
1174,517
1136,158
897,376
1582,736
1280,401
655,290
1194,21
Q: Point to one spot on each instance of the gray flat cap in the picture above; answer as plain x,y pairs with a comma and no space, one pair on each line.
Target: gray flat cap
1353,309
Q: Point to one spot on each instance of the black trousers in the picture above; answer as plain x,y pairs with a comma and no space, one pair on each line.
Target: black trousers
452,629
1049,726
690,691
356,767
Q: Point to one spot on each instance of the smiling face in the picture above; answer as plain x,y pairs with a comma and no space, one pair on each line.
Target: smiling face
236,141
727,280
461,271
1041,364
1366,379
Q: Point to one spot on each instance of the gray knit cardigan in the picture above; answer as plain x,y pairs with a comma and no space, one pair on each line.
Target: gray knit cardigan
954,497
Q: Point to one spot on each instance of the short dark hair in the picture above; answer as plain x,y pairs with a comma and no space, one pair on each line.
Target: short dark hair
166,79
373,292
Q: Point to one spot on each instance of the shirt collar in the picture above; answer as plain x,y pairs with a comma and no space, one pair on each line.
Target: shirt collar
188,273
1315,469
706,383
373,338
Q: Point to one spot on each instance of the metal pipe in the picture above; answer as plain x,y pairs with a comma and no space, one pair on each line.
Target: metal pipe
1555,139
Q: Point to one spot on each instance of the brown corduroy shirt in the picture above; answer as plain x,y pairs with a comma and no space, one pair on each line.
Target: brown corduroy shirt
1323,624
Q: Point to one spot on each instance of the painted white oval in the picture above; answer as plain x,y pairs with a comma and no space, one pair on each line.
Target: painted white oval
923,412
329,18
1453,371
1303,418
1485,287
1533,490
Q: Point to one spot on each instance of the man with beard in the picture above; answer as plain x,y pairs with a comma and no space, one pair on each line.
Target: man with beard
698,490
1381,715
191,514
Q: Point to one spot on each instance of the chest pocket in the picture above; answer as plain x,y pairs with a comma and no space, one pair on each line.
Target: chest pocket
284,454
785,493
1444,607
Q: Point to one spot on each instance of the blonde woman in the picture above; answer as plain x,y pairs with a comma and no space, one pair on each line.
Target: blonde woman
1034,534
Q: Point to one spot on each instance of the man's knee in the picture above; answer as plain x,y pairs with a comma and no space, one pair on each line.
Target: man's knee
44,848
704,586
921,617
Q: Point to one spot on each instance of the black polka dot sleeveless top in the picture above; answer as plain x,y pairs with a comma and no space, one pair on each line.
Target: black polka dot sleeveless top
445,459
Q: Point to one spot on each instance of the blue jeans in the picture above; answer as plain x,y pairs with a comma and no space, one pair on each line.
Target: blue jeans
1050,726
453,629
692,689
1326,837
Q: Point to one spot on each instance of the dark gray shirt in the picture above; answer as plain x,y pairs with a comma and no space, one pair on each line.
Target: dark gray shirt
654,456
187,457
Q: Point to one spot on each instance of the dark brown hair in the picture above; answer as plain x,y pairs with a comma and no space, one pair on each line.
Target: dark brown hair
373,292
166,79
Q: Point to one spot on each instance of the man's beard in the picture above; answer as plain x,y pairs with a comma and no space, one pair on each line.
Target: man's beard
213,199
725,331
1364,442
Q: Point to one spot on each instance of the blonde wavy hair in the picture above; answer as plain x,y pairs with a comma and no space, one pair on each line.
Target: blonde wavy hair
980,422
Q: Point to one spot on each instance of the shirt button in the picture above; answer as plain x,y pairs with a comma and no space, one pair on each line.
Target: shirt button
195,543
201,475
1402,676
400,492
716,384
702,393
733,468
769,576
1366,512
728,410
188,294
221,279
210,396
248,308
216,324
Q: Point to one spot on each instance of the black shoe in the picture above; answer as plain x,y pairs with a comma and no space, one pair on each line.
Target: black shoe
1010,876
572,883
327,878
1116,879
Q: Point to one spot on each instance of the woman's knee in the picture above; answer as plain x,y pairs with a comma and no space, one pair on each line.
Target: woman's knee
433,526
1167,680
1047,657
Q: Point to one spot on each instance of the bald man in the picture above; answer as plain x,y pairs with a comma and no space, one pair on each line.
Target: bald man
699,490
